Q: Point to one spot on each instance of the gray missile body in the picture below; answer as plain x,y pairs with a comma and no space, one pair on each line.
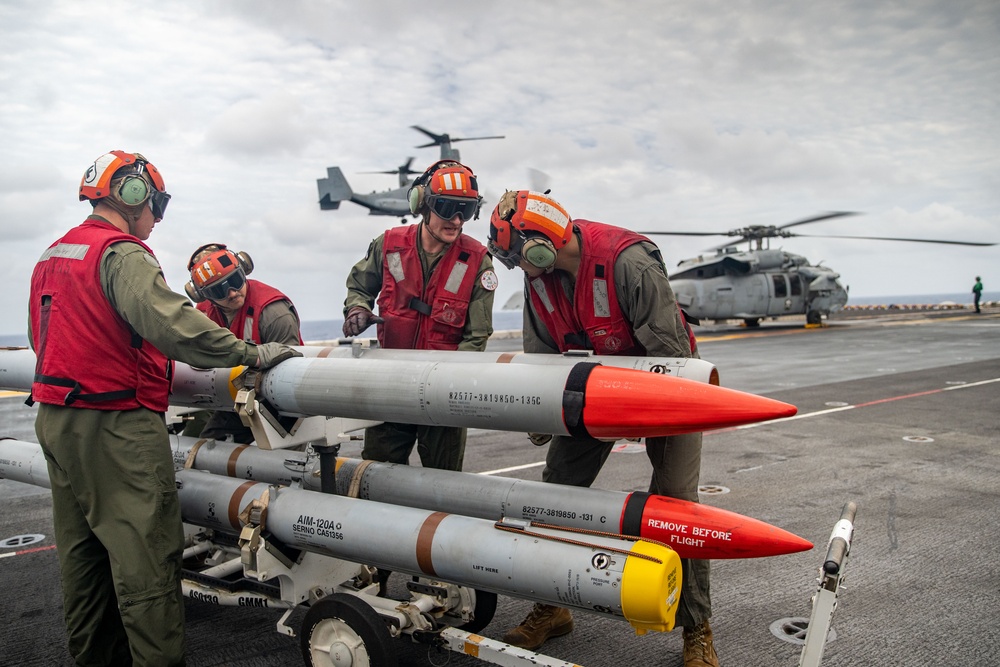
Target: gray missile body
580,399
638,581
693,530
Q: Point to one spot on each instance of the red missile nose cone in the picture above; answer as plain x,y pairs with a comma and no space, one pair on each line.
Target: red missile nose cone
694,530
626,403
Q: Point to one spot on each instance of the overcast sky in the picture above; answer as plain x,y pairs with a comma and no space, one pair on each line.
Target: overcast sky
688,116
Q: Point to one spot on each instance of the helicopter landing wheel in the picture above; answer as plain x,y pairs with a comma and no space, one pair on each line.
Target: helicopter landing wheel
814,317
752,322
342,631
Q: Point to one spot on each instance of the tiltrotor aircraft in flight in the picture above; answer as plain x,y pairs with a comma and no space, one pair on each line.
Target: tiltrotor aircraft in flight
335,189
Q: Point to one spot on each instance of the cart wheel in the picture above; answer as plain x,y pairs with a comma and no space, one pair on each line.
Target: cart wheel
482,613
342,631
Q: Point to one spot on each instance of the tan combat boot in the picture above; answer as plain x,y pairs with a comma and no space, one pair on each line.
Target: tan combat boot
544,621
698,648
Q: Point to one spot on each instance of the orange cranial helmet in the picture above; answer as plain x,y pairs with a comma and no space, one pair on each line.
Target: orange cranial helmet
128,179
528,225
447,188
215,270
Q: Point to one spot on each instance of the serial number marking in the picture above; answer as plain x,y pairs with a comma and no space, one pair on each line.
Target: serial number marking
529,510
484,397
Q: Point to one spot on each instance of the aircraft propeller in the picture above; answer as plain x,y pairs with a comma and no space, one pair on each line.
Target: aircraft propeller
402,170
446,139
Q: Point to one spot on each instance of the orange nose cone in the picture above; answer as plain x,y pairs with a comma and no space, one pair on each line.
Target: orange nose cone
694,530
626,403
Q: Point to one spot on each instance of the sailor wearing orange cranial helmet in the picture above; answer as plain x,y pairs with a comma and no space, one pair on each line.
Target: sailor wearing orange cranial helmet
434,286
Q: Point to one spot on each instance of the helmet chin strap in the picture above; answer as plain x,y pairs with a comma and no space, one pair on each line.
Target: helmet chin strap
131,214
427,228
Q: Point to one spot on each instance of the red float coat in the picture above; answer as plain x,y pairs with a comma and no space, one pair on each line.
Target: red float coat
87,356
246,324
431,316
595,319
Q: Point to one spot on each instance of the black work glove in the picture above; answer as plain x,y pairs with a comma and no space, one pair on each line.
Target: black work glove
272,354
358,319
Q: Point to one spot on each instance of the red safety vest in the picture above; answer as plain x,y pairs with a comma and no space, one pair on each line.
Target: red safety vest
432,316
246,324
87,356
595,319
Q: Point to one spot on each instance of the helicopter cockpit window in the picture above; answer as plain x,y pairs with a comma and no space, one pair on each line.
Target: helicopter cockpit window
780,286
700,273
796,285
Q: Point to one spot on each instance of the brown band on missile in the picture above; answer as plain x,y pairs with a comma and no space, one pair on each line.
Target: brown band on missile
324,353
234,503
193,454
231,462
425,540
506,357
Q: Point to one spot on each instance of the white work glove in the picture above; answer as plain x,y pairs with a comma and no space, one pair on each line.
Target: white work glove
358,319
272,354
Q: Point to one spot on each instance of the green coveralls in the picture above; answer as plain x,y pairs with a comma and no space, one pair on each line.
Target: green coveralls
279,323
648,303
115,507
441,447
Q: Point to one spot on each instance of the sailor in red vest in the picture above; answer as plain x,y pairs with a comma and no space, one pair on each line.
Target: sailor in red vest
104,325
592,286
252,310
434,286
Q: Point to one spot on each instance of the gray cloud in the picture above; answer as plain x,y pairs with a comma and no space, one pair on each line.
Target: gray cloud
706,115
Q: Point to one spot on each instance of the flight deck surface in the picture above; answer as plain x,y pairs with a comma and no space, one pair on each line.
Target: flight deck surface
898,414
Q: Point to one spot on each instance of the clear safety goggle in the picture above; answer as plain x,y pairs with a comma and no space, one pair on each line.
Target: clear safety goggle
448,207
511,258
219,291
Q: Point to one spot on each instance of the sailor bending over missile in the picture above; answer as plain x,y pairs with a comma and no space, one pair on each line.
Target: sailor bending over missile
590,285
104,326
252,310
434,286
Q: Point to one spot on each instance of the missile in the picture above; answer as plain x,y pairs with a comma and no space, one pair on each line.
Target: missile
693,530
638,581
692,369
580,399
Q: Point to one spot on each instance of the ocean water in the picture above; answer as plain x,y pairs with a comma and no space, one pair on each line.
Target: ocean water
504,320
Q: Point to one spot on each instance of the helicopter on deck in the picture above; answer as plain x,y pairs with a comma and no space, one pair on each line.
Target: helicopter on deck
335,189
762,282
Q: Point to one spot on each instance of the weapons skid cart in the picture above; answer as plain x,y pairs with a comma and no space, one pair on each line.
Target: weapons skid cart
346,621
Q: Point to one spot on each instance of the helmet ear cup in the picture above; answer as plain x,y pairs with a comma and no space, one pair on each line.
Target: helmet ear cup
133,191
539,252
416,198
245,262
193,292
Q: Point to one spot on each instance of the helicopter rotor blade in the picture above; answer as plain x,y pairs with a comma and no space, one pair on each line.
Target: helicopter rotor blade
893,238
686,234
825,216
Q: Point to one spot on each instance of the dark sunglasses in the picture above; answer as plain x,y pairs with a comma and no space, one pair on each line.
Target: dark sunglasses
158,203
220,290
449,207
